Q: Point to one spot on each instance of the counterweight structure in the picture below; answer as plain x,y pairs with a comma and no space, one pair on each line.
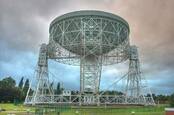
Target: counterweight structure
89,39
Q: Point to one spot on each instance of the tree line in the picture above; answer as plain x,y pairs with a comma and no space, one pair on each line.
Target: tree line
12,92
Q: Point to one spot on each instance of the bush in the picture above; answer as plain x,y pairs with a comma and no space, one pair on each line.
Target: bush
172,100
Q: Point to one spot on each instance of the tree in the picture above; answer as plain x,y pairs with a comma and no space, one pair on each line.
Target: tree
51,85
8,82
58,89
26,87
21,83
8,91
9,94
172,100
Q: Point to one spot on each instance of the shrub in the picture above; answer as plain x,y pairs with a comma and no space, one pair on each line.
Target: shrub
172,100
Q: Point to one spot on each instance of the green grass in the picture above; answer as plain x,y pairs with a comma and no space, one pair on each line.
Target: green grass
18,109
117,111
22,110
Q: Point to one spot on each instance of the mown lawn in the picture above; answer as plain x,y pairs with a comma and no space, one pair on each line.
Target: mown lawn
117,111
23,110
19,109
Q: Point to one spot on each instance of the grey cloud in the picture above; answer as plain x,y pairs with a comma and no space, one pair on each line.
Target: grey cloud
24,24
154,31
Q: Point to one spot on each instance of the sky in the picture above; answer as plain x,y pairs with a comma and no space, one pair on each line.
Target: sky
24,27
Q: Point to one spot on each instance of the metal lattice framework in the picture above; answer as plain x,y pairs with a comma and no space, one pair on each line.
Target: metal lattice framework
89,39
80,34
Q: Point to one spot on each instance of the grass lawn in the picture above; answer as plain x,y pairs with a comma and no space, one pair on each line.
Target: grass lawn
17,109
22,110
117,111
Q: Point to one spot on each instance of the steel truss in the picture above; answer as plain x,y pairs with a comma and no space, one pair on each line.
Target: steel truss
43,86
90,73
90,76
93,100
92,35
136,86
89,39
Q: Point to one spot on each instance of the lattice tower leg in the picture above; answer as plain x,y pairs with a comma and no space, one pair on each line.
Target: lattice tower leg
43,87
90,73
135,89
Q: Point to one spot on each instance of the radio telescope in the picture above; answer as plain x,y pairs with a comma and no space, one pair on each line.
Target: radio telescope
89,39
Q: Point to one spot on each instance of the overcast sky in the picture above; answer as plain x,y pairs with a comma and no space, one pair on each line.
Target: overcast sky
24,26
